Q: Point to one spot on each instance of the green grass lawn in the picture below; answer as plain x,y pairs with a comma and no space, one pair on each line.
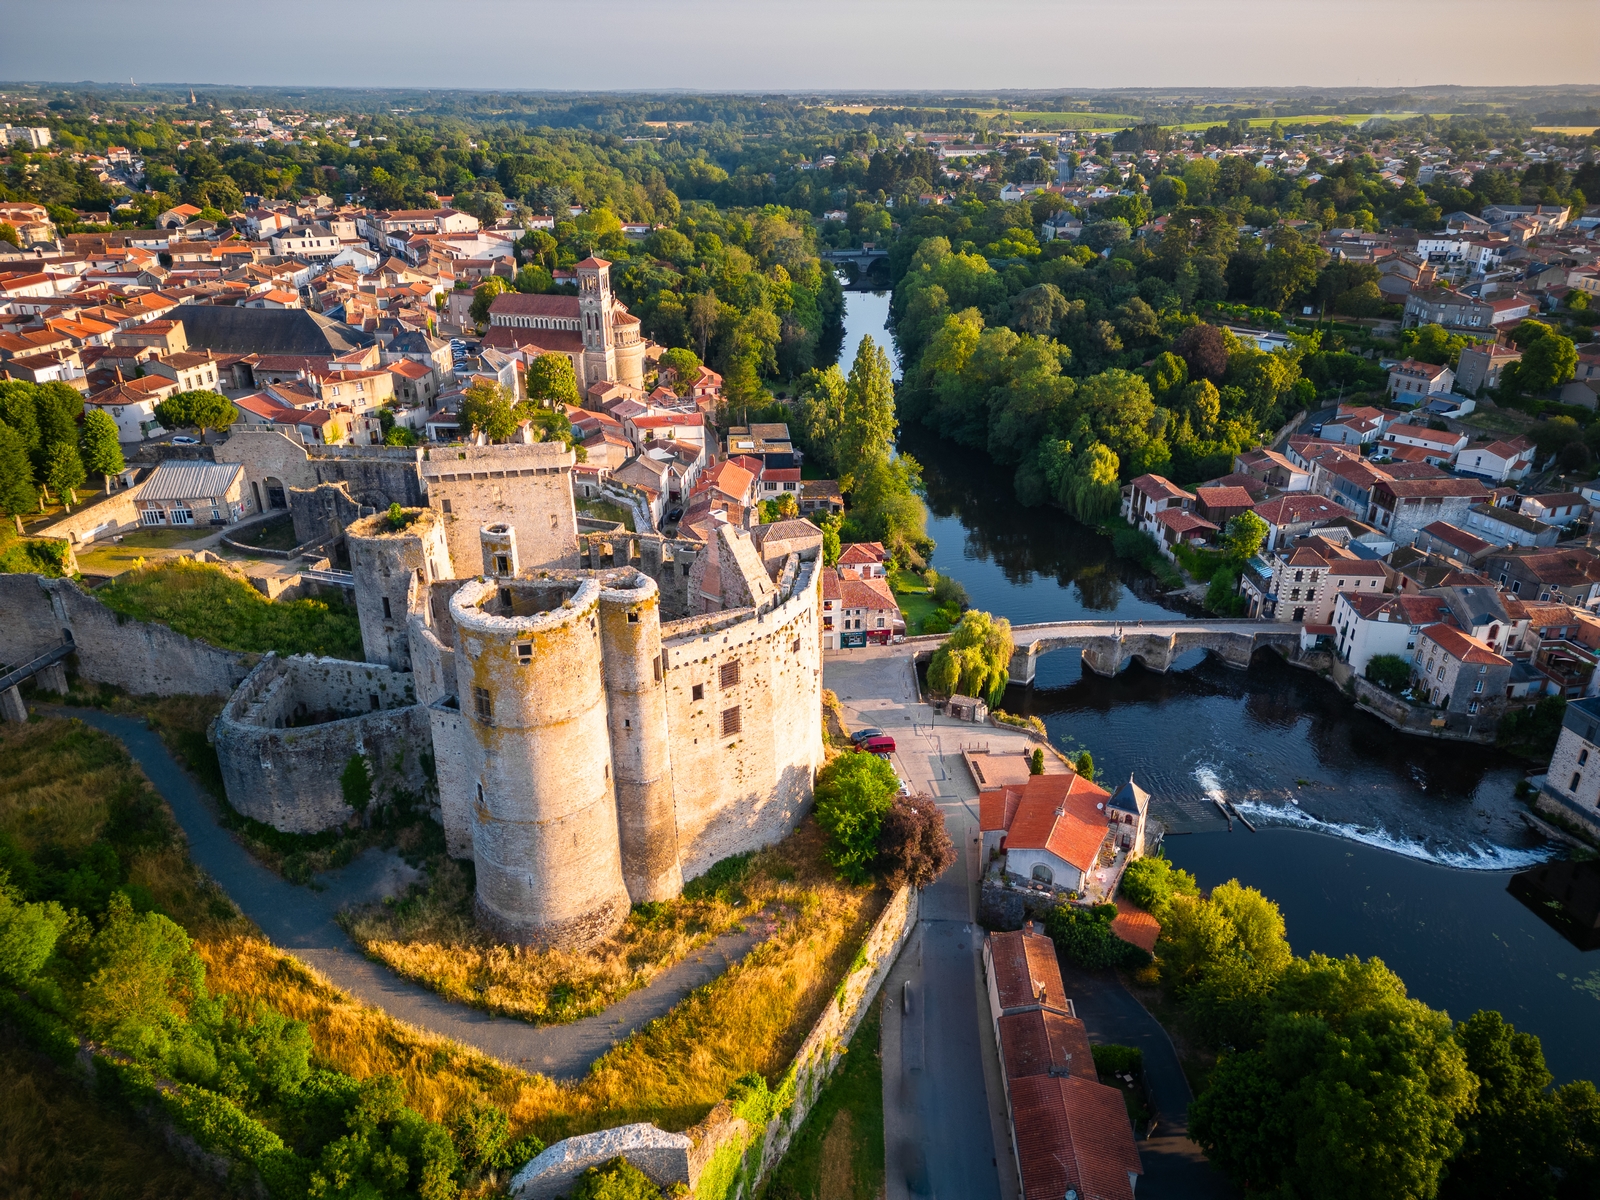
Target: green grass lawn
600,509
838,1151
216,606
151,544
916,605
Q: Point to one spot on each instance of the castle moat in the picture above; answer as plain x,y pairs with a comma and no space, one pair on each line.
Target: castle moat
1372,842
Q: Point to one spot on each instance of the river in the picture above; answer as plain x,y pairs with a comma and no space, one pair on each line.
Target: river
1372,843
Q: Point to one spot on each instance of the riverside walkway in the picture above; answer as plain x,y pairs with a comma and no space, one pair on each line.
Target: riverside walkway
1108,645
303,922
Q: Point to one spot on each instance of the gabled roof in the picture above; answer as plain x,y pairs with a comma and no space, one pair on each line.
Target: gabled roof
1042,1042
519,304
1459,539
1462,646
1424,434
1297,508
1181,521
862,553
1063,814
1158,487
1073,1134
266,330
1224,497
1024,965
190,480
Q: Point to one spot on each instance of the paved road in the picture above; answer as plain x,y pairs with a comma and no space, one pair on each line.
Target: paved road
944,1136
944,1110
301,921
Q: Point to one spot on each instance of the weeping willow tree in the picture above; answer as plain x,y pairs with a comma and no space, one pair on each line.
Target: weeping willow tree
975,660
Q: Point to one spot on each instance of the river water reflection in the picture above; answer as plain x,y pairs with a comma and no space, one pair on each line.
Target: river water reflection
1372,843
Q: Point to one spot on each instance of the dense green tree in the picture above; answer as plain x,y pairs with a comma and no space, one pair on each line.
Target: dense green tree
867,430
685,367
854,794
98,444
17,492
486,409
1151,882
551,380
1244,535
63,471
484,295
1389,671
199,409
1513,1133
1547,362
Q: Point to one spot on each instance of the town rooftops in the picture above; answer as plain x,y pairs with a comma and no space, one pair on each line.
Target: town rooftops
1420,370
1182,522
857,554
870,594
1459,539
1427,488
1158,487
1026,973
1072,1136
1424,434
1224,497
190,480
1462,646
1298,508
1043,1042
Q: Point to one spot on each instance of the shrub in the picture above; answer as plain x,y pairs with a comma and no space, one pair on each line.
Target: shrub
913,846
854,794
1151,883
1085,765
617,1179
1084,936
1036,761
1388,671
1118,1060
356,783
1532,732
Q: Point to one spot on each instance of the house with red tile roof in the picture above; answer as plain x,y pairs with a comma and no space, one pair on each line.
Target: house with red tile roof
1146,497
1498,461
1219,505
1070,1133
1459,673
867,559
1049,830
857,610
1441,445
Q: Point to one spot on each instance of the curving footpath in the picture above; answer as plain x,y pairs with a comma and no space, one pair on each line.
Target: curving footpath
301,921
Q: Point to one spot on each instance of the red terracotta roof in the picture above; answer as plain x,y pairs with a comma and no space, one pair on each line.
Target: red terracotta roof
1025,967
1462,646
1135,926
1224,497
1299,507
1042,1042
1063,814
1073,1133
862,553
1181,521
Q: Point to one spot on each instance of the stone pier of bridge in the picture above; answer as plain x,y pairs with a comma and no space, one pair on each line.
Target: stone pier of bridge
1106,647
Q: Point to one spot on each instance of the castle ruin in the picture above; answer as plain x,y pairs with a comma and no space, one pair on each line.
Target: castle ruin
600,718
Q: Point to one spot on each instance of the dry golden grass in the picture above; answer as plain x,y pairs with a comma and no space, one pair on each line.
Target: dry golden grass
431,937
672,1072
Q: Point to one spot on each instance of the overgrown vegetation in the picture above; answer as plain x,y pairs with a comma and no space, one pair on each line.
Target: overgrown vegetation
214,605
839,1150
975,660
1329,1081
1084,937
1389,671
1531,733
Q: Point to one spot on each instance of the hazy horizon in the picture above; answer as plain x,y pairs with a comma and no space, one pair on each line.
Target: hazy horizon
711,46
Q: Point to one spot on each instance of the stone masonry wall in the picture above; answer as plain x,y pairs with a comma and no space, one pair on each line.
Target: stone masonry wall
527,486
141,657
726,1158
750,788
289,778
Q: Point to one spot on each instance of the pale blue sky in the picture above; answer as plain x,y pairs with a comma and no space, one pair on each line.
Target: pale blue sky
759,45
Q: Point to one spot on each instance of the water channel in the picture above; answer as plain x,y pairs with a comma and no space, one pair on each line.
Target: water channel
1372,843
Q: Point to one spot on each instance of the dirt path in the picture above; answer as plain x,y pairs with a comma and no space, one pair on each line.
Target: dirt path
302,922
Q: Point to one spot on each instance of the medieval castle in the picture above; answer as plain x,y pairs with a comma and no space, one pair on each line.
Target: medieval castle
594,716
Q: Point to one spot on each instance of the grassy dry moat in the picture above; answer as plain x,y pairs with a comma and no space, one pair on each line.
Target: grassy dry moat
54,799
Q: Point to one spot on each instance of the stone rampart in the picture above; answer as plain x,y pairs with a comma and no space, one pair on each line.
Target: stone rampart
139,656
730,1154
376,476
743,705
1419,718
290,731
116,513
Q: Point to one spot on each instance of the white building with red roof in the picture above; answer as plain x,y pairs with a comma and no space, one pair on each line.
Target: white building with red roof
1414,382
1440,445
1501,461
1050,829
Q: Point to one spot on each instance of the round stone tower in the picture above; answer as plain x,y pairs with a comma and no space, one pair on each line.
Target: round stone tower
544,811
636,703
386,560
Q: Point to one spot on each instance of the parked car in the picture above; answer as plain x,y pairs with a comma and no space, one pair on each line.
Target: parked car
675,515
184,439
862,735
882,745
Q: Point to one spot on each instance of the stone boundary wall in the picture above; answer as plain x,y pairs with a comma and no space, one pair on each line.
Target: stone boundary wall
141,657
1417,719
725,1156
116,513
289,776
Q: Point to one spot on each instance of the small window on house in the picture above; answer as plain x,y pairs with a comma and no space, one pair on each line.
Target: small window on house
1577,778
698,692
480,793
524,653
728,675
796,649
482,705
1583,757
1472,706
686,570
386,613
731,722
1478,687
1044,874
